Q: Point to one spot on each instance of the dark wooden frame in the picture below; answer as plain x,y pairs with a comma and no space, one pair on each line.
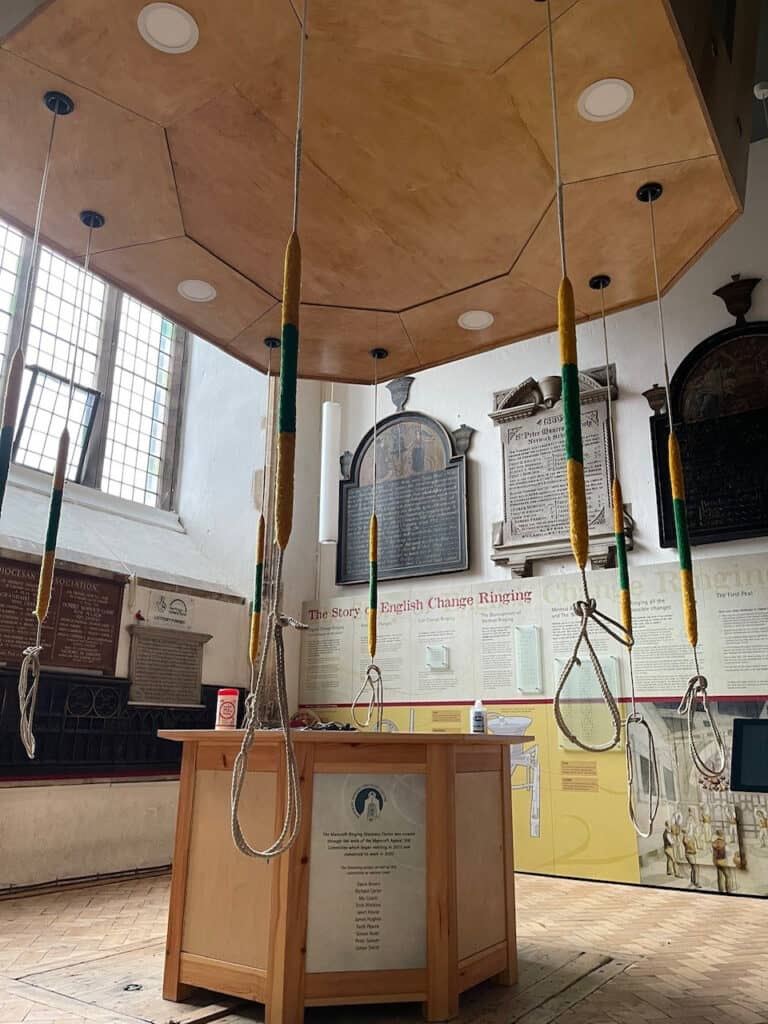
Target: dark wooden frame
659,426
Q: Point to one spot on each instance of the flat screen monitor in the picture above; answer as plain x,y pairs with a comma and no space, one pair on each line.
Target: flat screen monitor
749,761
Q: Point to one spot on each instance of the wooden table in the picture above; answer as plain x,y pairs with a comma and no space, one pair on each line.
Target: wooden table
420,911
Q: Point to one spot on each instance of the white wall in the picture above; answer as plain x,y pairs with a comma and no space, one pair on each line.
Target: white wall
222,450
75,831
463,391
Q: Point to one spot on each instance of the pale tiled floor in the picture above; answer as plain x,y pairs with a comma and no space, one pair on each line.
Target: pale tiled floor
675,956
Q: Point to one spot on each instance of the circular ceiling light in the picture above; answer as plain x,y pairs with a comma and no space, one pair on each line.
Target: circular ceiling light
196,291
475,319
168,28
606,99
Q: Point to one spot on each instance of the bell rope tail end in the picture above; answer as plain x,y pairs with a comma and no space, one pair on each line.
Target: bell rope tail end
625,601
683,543
373,583
45,583
286,418
577,496
258,579
8,423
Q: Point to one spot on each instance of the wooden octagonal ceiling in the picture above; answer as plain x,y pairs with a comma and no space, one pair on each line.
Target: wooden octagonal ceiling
427,183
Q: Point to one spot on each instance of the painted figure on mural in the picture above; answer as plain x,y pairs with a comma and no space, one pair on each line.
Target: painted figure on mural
706,823
733,828
668,840
690,847
762,828
677,838
720,860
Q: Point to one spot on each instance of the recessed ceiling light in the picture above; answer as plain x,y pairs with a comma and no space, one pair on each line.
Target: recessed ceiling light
196,291
606,99
475,319
168,28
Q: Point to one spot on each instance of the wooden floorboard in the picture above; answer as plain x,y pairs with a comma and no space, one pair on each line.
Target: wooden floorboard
589,954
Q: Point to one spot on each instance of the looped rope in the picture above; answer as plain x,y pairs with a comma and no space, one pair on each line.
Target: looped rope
654,788
276,623
28,695
587,609
697,688
373,682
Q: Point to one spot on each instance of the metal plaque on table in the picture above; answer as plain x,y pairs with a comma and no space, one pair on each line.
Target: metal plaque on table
421,501
530,421
81,629
166,666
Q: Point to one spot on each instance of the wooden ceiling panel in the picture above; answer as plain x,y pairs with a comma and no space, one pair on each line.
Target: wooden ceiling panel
97,44
426,175
608,232
335,343
234,176
602,39
519,310
152,272
104,158
430,164
454,32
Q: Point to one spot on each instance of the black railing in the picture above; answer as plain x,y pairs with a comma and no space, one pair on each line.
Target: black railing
84,725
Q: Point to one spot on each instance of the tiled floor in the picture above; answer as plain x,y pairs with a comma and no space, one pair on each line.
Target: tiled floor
653,956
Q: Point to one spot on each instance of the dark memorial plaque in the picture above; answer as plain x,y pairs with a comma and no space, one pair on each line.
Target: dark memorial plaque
421,502
82,627
166,666
720,406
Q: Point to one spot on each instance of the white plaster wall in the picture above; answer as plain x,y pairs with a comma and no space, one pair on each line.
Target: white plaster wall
221,463
463,391
49,833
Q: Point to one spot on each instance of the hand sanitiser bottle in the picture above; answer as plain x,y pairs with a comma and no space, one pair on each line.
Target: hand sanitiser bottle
477,718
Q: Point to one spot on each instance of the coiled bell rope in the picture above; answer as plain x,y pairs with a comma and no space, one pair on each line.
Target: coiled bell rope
373,683
635,722
30,666
696,689
585,609
277,621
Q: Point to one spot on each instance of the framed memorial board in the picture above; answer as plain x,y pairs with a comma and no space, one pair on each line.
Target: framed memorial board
421,497
720,410
82,628
536,521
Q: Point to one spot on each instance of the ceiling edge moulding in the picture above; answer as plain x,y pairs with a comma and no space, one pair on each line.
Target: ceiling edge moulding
454,209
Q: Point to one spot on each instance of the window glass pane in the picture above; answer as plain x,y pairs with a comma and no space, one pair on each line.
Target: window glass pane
11,242
42,420
55,317
138,408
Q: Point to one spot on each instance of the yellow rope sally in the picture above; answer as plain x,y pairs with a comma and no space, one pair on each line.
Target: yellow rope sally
373,682
585,609
697,684
284,487
30,665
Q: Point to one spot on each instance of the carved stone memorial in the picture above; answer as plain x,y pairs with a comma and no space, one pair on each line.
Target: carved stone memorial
166,666
83,623
530,422
720,410
421,500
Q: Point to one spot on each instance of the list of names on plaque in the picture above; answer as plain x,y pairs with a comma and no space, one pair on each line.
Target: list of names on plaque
536,498
82,627
367,887
166,666
420,525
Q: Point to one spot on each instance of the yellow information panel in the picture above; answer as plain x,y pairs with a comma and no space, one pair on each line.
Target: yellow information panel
442,645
